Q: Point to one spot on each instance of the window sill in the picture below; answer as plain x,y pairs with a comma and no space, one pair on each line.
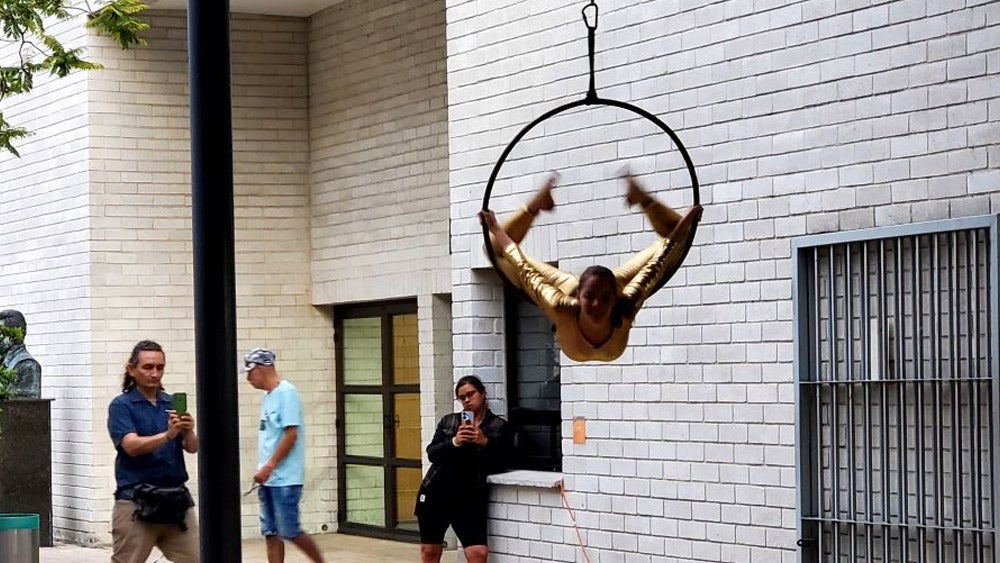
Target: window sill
525,478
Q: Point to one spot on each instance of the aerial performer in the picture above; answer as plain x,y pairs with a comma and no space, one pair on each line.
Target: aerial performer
592,313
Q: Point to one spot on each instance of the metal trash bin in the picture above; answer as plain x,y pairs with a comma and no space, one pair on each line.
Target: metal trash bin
19,538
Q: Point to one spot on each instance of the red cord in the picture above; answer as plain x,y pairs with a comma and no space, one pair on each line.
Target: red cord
572,517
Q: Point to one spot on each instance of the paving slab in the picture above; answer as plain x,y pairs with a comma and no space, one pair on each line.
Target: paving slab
337,548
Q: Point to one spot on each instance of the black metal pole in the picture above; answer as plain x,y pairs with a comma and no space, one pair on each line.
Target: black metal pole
214,280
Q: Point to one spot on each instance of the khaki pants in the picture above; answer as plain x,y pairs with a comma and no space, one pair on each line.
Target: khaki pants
133,539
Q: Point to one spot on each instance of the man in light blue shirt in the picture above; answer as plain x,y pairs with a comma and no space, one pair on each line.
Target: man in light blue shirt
281,458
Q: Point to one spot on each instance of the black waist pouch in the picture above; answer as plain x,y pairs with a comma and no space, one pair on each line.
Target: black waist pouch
162,505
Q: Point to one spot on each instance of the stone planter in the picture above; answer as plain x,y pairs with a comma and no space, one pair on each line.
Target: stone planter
26,461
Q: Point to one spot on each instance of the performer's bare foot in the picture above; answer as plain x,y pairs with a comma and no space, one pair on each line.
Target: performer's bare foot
542,200
635,194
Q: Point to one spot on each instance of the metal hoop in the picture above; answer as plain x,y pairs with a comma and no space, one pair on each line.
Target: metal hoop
588,101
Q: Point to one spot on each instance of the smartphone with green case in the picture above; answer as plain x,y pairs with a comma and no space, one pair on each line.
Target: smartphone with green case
180,403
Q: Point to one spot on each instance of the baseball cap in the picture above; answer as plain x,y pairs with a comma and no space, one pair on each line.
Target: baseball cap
257,357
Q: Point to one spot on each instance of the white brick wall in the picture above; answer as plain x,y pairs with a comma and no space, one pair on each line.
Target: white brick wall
801,118
104,258
378,166
437,394
118,225
44,269
142,231
379,151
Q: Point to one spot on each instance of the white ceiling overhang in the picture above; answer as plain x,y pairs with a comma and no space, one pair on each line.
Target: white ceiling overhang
297,8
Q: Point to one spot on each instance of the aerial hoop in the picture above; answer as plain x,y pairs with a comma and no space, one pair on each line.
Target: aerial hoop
591,99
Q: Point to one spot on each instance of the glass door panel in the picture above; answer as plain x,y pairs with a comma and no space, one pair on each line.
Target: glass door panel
405,351
363,434
362,351
407,425
366,495
407,484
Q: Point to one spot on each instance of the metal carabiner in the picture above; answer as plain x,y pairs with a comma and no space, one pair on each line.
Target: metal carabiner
586,19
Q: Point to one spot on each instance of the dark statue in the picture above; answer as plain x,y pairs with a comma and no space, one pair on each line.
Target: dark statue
28,384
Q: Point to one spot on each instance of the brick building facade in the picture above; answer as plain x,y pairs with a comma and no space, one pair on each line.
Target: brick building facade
363,136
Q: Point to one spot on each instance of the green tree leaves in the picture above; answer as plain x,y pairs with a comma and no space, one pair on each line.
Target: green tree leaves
119,21
35,50
9,335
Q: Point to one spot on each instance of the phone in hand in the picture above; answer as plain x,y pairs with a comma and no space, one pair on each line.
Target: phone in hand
180,403
467,417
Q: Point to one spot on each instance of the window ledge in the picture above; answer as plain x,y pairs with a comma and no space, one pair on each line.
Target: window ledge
525,478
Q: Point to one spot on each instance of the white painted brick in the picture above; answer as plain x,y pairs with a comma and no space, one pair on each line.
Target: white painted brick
872,115
271,163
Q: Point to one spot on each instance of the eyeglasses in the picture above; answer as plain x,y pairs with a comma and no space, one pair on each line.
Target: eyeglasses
252,489
468,395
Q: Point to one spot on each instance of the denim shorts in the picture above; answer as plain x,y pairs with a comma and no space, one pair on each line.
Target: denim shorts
279,511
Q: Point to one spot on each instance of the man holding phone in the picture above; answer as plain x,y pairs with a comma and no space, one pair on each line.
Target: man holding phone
281,455
151,431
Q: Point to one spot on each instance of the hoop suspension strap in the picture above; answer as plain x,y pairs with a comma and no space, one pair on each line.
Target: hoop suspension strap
591,41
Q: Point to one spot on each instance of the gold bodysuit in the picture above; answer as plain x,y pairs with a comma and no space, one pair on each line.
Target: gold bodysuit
554,291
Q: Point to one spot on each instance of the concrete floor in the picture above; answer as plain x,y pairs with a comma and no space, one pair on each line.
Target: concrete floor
336,548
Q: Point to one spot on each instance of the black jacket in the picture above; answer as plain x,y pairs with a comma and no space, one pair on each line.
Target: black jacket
463,470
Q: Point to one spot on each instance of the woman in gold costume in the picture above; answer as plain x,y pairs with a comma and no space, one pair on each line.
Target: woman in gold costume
592,313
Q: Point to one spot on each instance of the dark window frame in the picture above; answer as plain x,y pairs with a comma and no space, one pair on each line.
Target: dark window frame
384,310
518,416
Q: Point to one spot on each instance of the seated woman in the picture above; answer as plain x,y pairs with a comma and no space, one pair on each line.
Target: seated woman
592,314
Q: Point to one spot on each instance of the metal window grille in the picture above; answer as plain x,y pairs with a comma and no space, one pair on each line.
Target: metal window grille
896,394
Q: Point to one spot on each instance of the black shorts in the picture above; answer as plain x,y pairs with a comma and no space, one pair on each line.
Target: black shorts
467,517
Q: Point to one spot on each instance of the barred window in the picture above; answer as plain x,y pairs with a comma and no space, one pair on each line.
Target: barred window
896,379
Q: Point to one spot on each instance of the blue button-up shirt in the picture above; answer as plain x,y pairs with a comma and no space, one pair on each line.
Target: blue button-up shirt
131,412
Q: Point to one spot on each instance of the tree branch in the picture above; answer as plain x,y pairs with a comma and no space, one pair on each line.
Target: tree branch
23,21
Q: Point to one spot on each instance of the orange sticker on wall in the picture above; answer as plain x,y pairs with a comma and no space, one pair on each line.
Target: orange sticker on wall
579,430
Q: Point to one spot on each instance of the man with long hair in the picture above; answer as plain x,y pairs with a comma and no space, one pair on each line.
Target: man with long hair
152,504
